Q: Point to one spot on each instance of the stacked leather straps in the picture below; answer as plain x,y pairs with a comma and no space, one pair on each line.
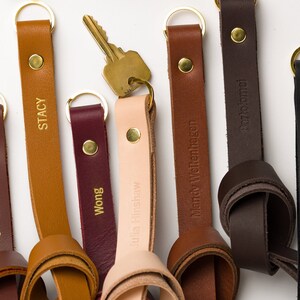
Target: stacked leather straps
136,266
12,263
200,258
257,211
74,273
94,187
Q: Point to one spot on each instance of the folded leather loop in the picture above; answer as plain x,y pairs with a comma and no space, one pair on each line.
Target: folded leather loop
200,258
297,121
94,188
54,252
136,266
44,166
12,263
256,209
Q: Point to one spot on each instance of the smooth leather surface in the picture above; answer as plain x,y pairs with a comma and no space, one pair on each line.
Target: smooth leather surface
44,167
11,262
136,267
199,259
252,198
97,220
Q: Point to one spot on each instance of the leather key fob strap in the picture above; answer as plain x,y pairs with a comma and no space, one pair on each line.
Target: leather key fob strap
200,258
257,211
11,262
94,188
297,118
136,265
74,273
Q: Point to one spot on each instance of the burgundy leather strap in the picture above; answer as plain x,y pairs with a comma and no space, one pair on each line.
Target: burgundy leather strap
11,262
199,259
94,188
257,211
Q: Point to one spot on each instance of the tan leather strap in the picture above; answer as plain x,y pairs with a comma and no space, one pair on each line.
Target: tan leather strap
44,167
200,258
136,266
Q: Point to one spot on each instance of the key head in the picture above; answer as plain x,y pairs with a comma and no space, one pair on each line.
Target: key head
118,72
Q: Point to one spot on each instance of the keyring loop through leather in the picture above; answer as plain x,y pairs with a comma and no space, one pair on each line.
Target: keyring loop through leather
133,80
217,2
185,8
293,58
101,99
4,104
41,4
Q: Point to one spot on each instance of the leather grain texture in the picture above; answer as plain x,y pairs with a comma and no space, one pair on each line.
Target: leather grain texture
199,259
94,188
252,198
44,169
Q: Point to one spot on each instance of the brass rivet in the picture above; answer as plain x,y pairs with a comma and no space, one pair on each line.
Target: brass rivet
133,135
238,35
90,147
36,62
185,65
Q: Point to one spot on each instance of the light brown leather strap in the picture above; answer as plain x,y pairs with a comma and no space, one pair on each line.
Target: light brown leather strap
70,271
136,265
200,258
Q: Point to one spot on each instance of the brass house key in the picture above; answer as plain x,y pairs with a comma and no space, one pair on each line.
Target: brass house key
121,66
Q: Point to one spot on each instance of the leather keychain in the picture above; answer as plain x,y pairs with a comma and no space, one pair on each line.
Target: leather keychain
93,178
200,258
12,264
252,198
295,64
136,266
74,273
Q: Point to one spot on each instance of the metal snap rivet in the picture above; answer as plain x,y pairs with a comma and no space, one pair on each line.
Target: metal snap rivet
185,65
36,62
238,35
133,135
90,147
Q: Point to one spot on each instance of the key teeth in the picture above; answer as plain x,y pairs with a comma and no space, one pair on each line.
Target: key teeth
100,28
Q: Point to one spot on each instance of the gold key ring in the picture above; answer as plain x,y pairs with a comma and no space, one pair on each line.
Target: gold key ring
101,99
41,4
4,104
217,2
133,80
293,59
185,8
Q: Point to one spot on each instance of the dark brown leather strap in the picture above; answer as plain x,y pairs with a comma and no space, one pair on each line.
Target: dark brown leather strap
199,259
252,197
11,262
74,274
94,188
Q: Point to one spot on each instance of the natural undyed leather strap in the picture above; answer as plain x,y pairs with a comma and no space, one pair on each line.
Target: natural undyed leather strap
199,259
74,273
257,211
136,265
94,188
297,119
12,263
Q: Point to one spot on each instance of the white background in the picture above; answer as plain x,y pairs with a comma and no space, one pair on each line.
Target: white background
138,25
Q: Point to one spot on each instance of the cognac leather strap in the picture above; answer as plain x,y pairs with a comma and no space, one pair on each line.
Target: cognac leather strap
12,263
297,114
94,187
257,211
74,273
136,266
200,258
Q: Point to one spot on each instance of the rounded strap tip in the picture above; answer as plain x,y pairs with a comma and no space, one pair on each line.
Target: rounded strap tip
252,200
58,251
140,269
200,243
